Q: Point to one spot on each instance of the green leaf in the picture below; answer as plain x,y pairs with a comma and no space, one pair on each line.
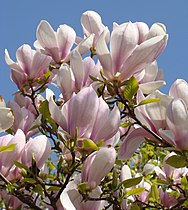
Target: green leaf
125,124
8,148
53,188
47,75
154,194
22,166
130,182
29,180
115,179
148,101
184,184
83,187
135,206
177,161
44,109
131,88
38,189
135,191
89,144
95,79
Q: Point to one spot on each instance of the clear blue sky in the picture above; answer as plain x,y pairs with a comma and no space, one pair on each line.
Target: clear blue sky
20,18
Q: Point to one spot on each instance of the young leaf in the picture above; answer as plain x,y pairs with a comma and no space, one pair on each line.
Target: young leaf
44,109
135,206
135,191
83,187
177,161
148,101
22,166
8,148
38,189
89,144
130,182
131,88
154,194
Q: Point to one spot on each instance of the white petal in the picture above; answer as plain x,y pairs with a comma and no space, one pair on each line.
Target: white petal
6,118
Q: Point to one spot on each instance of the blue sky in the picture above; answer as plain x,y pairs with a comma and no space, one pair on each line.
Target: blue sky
19,20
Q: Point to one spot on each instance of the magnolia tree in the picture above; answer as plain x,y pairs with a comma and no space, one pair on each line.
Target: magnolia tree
109,139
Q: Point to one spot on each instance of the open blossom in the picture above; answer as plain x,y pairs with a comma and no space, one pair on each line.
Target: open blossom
6,116
30,66
7,158
76,76
38,148
24,119
132,47
56,44
89,114
169,173
152,115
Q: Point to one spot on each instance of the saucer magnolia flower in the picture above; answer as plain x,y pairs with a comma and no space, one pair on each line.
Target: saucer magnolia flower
169,173
132,47
31,65
6,116
24,119
97,165
177,121
92,24
87,113
12,201
152,115
168,200
76,76
7,158
56,44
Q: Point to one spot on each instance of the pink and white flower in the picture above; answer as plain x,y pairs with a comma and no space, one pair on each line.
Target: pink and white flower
89,114
30,66
132,47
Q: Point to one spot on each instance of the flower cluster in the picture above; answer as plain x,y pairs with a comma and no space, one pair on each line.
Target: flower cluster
106,138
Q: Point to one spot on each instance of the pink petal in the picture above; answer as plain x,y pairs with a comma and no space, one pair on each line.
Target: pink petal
66,81
60,116
65,38
149,87
47,39
24,56
107,122
82,109
156,29
39,147
143,31
101,165
124,39
179,89
91,23
144,54
40,64
85,45
131,143
104,55
77,67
